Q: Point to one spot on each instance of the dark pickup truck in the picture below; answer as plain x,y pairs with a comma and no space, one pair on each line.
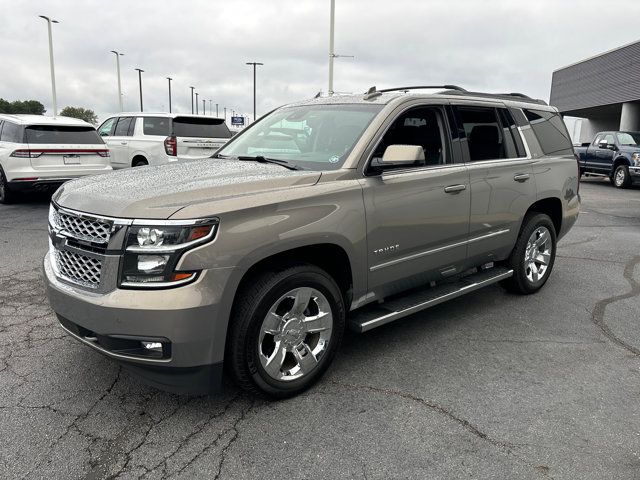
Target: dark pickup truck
614,154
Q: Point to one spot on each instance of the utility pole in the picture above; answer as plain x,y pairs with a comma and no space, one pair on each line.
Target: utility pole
118,55
196,103
254,84
140,84
53,72
169,78
332,54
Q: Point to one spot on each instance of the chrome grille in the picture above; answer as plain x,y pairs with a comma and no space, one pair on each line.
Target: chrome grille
77,268
91,230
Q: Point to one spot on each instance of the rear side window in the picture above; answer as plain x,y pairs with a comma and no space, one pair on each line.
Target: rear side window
550,130
11,133
484,133
512,139
156,126
200,127
62,135
123,127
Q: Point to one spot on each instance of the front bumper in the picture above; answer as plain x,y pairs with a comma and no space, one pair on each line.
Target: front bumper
635,173
185,318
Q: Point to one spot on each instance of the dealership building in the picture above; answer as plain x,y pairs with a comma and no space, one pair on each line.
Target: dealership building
603,92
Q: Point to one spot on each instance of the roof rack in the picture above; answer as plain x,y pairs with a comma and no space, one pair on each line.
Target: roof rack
455,90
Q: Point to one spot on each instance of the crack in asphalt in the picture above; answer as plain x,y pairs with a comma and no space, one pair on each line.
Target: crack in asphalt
466,424
599,310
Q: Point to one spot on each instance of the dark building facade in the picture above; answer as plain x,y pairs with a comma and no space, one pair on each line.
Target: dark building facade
603,90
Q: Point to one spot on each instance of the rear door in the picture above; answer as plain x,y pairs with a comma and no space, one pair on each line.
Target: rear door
604,156
199,137
63,147
501,178
118,141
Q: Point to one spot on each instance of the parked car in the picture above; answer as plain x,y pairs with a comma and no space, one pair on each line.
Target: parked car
614,154
137,139
38,152
343,211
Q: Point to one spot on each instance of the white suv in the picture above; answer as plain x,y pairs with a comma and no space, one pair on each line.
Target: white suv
137,139
38,152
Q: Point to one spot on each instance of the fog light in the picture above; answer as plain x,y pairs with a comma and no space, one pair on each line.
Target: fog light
156,346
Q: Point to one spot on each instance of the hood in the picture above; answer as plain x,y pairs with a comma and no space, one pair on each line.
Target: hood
159,192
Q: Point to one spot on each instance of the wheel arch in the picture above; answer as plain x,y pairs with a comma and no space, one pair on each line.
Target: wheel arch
137,157
551,206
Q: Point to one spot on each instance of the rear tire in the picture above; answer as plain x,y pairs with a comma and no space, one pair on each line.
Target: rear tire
533,256
285,330
140,163
621,177
6,195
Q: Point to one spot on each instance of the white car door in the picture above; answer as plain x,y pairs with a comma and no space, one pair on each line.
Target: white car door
117,132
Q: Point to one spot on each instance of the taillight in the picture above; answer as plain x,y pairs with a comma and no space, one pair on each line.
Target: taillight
103,153
171,146
25,153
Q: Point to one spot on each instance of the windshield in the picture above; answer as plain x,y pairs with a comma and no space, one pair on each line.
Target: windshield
630,139
314,137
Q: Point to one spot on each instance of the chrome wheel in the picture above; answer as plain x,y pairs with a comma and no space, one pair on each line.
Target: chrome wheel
295,334
538,254
620,177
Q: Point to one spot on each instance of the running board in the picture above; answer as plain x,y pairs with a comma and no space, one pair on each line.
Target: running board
370,317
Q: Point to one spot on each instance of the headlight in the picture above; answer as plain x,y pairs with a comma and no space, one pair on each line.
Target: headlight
636,158
154,249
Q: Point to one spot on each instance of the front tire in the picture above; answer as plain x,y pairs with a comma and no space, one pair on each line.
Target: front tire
533,256
285,329
621,177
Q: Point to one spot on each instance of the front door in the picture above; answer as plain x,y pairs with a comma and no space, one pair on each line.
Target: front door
417,215
118,140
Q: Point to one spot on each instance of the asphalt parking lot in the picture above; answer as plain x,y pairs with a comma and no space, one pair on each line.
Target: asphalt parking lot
492,386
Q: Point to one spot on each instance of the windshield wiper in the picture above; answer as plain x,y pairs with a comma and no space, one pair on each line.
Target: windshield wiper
261,159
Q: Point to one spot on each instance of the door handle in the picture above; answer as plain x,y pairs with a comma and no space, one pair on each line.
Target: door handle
123,143
521,177
455,188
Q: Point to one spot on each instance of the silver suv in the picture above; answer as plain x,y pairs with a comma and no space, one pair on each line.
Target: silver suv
348,211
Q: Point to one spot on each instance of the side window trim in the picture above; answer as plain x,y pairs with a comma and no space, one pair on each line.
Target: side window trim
445,133
132,126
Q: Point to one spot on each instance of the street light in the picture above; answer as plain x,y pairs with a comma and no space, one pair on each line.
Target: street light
169,78
210,107
216,109
254,85
140,84
196,103
53,73
204,104
118,55
192,99
225,114
332,55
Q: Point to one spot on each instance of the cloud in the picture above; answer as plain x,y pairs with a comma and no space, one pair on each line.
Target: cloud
504,45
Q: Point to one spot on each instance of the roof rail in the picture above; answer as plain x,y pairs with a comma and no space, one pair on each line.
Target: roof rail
455,90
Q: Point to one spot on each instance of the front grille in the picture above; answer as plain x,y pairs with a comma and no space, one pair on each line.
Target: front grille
91,230
77,268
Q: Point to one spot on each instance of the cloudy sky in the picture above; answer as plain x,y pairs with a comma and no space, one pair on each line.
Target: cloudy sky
507,45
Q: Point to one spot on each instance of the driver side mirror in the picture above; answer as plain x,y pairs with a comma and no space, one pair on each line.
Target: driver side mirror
395,155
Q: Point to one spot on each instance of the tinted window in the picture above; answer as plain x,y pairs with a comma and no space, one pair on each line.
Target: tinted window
122,128
513,141
156,126
107,127
422,126
550,130
11,133
628,139
62,134
484,133
200,127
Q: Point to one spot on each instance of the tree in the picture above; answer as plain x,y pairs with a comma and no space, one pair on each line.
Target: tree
33,107
85,114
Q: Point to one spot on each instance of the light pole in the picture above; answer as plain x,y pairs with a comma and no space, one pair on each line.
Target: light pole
210,107
225,114
139,70
332,55
118,55
254,84
196,103
53,72
192,88
216,109
204,105
169,78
